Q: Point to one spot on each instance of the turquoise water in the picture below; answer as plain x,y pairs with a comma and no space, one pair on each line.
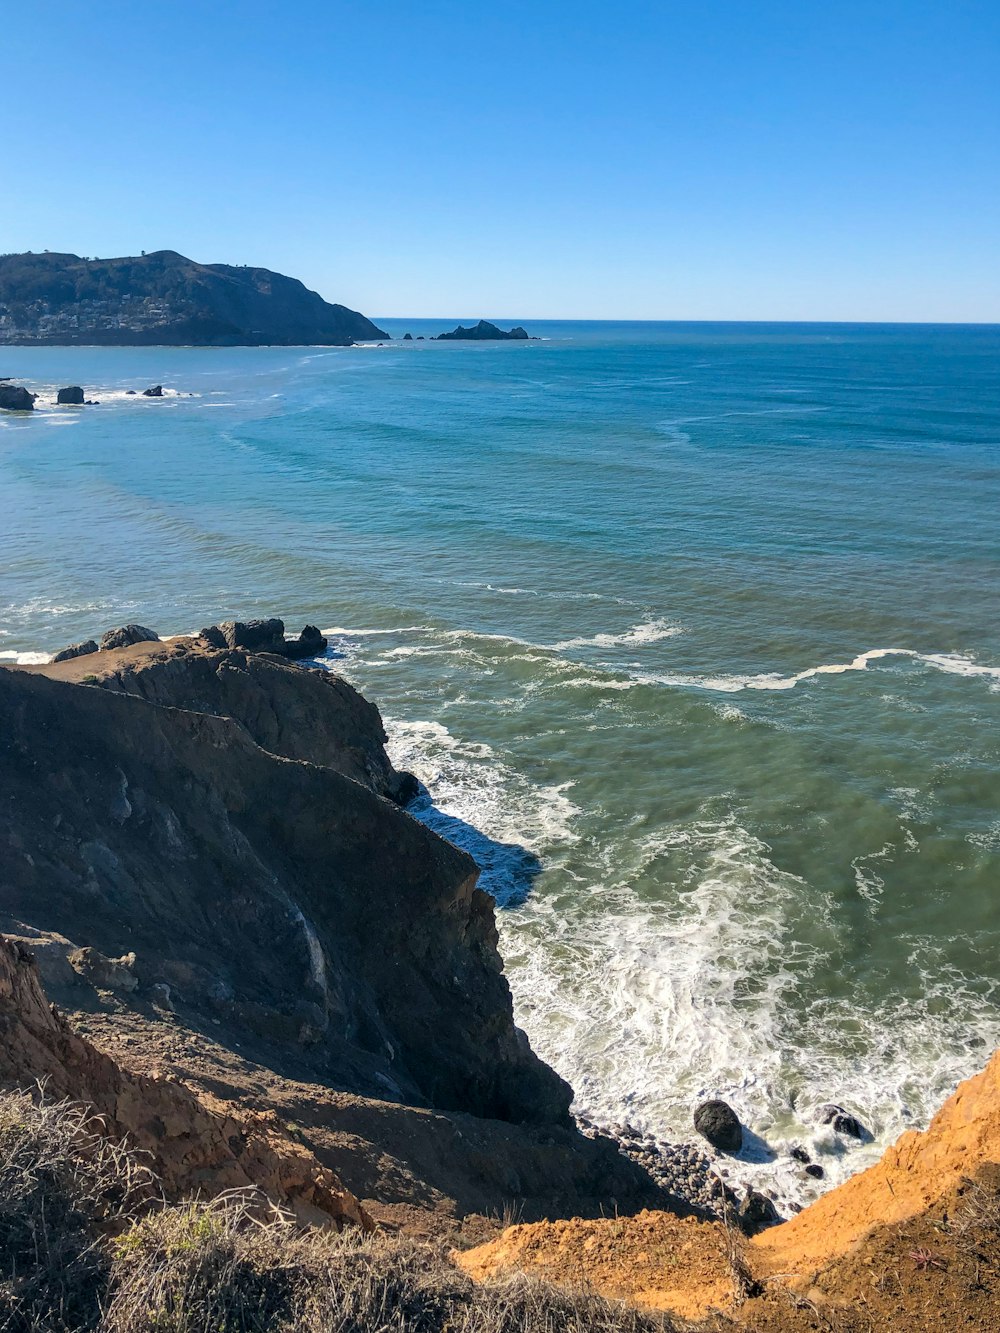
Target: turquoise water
597,584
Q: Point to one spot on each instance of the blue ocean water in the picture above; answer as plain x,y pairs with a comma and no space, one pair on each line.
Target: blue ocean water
695,624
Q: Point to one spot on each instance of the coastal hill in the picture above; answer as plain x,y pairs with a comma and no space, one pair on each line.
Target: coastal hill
164,299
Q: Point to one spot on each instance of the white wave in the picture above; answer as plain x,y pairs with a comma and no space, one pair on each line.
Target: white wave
26,659
636,636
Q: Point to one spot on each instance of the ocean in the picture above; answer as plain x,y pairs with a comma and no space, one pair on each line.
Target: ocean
690,631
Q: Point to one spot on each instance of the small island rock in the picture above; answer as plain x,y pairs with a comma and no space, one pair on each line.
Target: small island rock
481,332
15,398
155,392
73,396
718,1122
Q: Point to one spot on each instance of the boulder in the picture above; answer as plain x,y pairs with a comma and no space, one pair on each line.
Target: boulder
310,643
756,1212
815,1171
129,393
15,398
257,636
155,392
76,650
718,1122
406,789
114,974
842,1121
72,396
407,337
125,635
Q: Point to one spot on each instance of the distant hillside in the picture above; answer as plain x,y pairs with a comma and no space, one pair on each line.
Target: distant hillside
164,299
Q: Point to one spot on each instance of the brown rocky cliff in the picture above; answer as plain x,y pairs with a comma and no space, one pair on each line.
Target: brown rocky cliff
197,1146
277,898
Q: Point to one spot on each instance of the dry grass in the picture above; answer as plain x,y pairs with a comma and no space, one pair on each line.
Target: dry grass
88,1246
63,1187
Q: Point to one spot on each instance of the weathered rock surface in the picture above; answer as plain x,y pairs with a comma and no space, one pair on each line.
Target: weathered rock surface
126,635
15,398
73,396
718,1122
83,649
277,895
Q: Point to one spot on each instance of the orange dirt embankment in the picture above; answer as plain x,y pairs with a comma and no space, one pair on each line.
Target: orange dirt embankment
682,1266
912,1175
653,1259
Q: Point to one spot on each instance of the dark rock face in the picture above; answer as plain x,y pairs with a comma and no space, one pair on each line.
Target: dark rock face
352,940
310,643
257,636
164,299
842,1121
72,396
126,635
76,650
155,392
407,337
815,1171
15,398
518,332
719,1123
481,332
756,1212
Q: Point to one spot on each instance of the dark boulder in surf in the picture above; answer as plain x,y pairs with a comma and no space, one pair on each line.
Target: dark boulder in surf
842,1121
83,649
155,392
15,398
718,1122
126,635
310,643
72,396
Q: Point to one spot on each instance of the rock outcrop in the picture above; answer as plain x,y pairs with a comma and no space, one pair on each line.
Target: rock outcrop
127,635
155,391
164,299
15,398
483,332
83,649
291,903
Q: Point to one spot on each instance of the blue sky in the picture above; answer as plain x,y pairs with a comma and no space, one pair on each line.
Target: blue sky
740,159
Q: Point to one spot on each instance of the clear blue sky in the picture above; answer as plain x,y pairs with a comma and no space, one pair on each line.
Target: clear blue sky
686,159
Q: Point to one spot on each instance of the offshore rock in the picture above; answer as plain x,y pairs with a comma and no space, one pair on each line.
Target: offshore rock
718,1122
72,396
76,650
15,398
155,392
127,635
482,332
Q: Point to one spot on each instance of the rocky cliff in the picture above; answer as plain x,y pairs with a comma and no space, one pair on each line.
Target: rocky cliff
164,299
205,851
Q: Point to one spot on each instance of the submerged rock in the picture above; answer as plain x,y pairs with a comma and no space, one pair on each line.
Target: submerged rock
717,1121
76,650
126,635
72,396
15,398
